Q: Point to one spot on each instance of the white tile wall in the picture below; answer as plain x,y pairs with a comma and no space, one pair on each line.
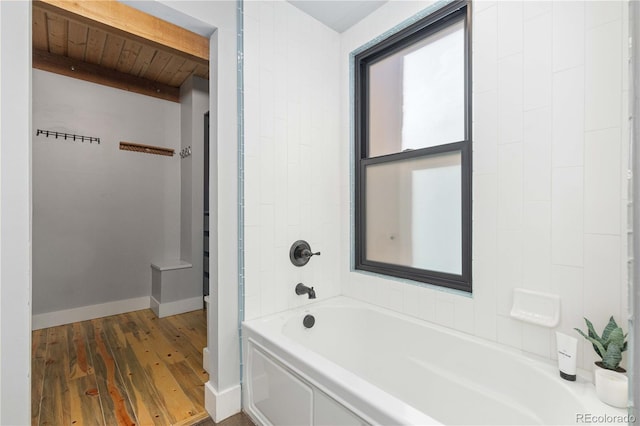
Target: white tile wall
550,153
549,189
291,141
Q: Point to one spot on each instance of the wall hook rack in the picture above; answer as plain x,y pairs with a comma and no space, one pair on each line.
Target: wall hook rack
185,152
67,136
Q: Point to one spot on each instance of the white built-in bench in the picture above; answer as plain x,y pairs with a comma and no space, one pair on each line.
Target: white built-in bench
168,281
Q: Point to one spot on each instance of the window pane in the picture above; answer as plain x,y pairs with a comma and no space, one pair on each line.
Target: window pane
414,213
416,96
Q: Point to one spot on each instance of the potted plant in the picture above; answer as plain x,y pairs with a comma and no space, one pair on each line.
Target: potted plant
610,380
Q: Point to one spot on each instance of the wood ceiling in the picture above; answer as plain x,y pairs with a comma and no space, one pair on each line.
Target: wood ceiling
110,43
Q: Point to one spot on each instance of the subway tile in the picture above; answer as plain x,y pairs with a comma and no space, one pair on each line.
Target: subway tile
267,171
537,62
567,282
533,9
509,276
480,6
537,246
600,12
464,315
602,278
485,132
252,121
267,96
510,185
509,332
602,191
445,314
510,99
485,50
536,339
267,238
267,35
568,34
411,300
568,118
485,209
428,304
537,155
603,76
567,223
510,16
485,273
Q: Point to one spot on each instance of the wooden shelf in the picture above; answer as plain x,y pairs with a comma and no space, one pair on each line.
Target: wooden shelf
146,149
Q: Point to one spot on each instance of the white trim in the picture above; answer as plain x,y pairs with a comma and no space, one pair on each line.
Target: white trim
51,319
174,308
221,405
205,359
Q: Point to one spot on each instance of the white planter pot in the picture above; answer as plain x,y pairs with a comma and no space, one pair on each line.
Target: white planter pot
612,387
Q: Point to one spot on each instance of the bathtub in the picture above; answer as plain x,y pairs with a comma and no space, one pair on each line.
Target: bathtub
361,364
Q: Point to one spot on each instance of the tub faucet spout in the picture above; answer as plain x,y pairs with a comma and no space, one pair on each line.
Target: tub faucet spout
303,289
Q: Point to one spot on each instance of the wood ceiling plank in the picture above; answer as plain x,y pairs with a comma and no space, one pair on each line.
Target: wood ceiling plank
159,61
128,56
40,33
96,41
116,16
78,34
169,71
112,50
58,33
46,61
202,72
185,70
143,60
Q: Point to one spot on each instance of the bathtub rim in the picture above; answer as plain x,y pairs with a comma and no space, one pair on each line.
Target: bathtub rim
269,333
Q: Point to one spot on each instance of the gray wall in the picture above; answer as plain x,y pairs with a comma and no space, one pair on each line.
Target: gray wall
100,215
194,103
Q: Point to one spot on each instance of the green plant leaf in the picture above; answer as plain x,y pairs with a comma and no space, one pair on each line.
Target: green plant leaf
592,331
592,339
612,357
615,337
609,328
597,346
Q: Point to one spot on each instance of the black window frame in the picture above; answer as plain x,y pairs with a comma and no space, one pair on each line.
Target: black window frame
442,18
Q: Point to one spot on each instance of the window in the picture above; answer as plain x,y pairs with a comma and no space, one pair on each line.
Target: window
413,152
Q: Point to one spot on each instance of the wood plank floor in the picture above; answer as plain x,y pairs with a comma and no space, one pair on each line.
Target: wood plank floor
129,369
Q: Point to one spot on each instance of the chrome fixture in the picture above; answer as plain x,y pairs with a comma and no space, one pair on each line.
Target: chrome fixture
303,289
300,253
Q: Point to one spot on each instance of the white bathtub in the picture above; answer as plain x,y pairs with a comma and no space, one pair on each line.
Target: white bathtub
360,364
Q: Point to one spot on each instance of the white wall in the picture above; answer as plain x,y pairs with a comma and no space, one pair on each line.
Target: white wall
194,103
291,147
15,216
222,392
100,215
549,183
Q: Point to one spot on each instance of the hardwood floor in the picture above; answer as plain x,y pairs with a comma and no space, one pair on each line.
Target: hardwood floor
129,369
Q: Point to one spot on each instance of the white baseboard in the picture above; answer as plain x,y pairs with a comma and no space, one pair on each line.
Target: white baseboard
205,359
174,308
221,405
67,316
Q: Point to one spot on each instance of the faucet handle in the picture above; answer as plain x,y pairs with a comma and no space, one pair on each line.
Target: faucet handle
308,253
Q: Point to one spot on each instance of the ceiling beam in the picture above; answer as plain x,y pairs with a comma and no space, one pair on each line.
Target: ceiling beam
117,17
63,65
